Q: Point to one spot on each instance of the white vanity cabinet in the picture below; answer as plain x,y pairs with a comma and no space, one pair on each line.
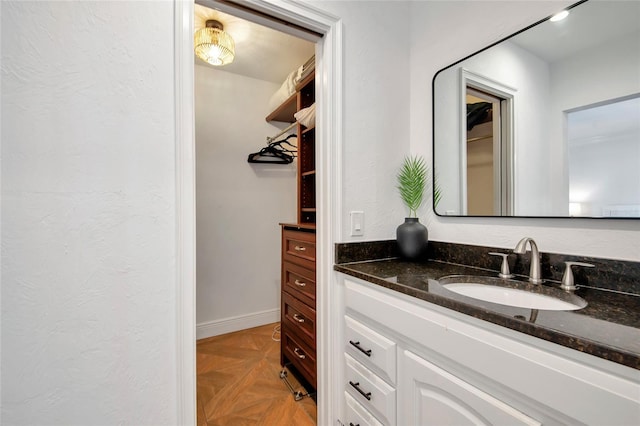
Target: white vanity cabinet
431,395
422,364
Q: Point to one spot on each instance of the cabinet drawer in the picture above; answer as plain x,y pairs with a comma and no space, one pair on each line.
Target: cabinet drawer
299,318
371,391
299,247
300,282
356,414
371,349
300,355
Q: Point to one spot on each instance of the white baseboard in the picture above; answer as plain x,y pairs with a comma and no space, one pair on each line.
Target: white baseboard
229,325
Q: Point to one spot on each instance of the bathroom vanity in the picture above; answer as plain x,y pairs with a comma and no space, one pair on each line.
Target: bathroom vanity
416,353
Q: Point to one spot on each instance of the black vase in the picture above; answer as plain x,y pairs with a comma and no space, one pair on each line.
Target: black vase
413,238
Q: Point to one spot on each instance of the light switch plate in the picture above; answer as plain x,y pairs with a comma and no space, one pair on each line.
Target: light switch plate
357,223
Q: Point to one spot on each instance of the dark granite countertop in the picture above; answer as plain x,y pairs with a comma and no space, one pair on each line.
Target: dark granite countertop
608,327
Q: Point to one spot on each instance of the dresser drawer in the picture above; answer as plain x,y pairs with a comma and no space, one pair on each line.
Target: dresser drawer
300,355
300,282
299,247
371,391
356,414
299,318
371,348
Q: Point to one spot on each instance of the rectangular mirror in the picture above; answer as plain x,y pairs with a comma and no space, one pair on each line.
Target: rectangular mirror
545,123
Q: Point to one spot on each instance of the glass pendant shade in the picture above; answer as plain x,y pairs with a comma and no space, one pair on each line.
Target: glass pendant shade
213,45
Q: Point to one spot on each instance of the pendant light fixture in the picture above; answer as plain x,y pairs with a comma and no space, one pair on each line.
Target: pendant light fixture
213,45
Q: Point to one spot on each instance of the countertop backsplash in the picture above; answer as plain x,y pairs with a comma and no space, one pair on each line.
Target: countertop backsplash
608,274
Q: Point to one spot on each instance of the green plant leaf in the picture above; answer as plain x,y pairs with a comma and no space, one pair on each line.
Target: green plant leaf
412,181
437,193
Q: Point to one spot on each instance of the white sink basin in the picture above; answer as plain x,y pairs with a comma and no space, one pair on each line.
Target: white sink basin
513,293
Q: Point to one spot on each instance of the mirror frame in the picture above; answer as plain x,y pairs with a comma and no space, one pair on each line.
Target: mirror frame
433,132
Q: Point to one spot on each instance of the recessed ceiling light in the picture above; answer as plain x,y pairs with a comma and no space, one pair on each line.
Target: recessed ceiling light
559,16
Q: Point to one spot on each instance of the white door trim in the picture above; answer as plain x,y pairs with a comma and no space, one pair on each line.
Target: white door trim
185,187
328,192
507,153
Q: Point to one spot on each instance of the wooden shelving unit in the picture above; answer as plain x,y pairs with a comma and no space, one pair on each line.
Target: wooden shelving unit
285,111
306,156
298,266
304,97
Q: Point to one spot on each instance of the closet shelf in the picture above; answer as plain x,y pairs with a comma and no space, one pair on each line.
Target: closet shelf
298,288
285,111
308,79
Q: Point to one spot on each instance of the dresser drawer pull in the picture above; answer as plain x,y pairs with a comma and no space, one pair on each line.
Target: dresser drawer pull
298,354
351,424
298,318
300,283
356,386
358,347
300,248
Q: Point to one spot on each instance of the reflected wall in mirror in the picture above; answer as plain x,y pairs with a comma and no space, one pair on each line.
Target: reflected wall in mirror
545,123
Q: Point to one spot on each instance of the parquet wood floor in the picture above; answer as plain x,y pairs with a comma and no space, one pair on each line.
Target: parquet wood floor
238,382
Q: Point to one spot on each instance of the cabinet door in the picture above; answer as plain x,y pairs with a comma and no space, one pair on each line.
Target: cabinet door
429,395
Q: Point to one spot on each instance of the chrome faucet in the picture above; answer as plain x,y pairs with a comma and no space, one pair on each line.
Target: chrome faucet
534,271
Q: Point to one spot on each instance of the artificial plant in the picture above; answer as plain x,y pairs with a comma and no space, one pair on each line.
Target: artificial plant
412,181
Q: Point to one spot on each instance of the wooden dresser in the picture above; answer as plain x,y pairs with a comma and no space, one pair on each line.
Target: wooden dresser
298,302
298,295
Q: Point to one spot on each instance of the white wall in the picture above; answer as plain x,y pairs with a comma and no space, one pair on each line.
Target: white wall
238,204
527,78
88,200
376,111
592,69
605,178
444,32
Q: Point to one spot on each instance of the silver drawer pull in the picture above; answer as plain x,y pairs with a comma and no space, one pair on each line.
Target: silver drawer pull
300,283
298,354
298,318
299,248
358,347
356,386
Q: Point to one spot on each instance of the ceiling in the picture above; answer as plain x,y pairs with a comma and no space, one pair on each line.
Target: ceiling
588,24
261,52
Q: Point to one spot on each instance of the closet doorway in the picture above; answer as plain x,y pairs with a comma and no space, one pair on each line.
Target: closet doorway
239,204
487,150
329,65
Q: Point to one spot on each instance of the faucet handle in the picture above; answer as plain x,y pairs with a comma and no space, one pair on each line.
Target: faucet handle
504,269
567,279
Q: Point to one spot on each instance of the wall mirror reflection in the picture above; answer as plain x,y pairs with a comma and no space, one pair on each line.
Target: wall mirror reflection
545,123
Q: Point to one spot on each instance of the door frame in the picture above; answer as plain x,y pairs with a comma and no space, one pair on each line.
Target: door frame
507,150
329,132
